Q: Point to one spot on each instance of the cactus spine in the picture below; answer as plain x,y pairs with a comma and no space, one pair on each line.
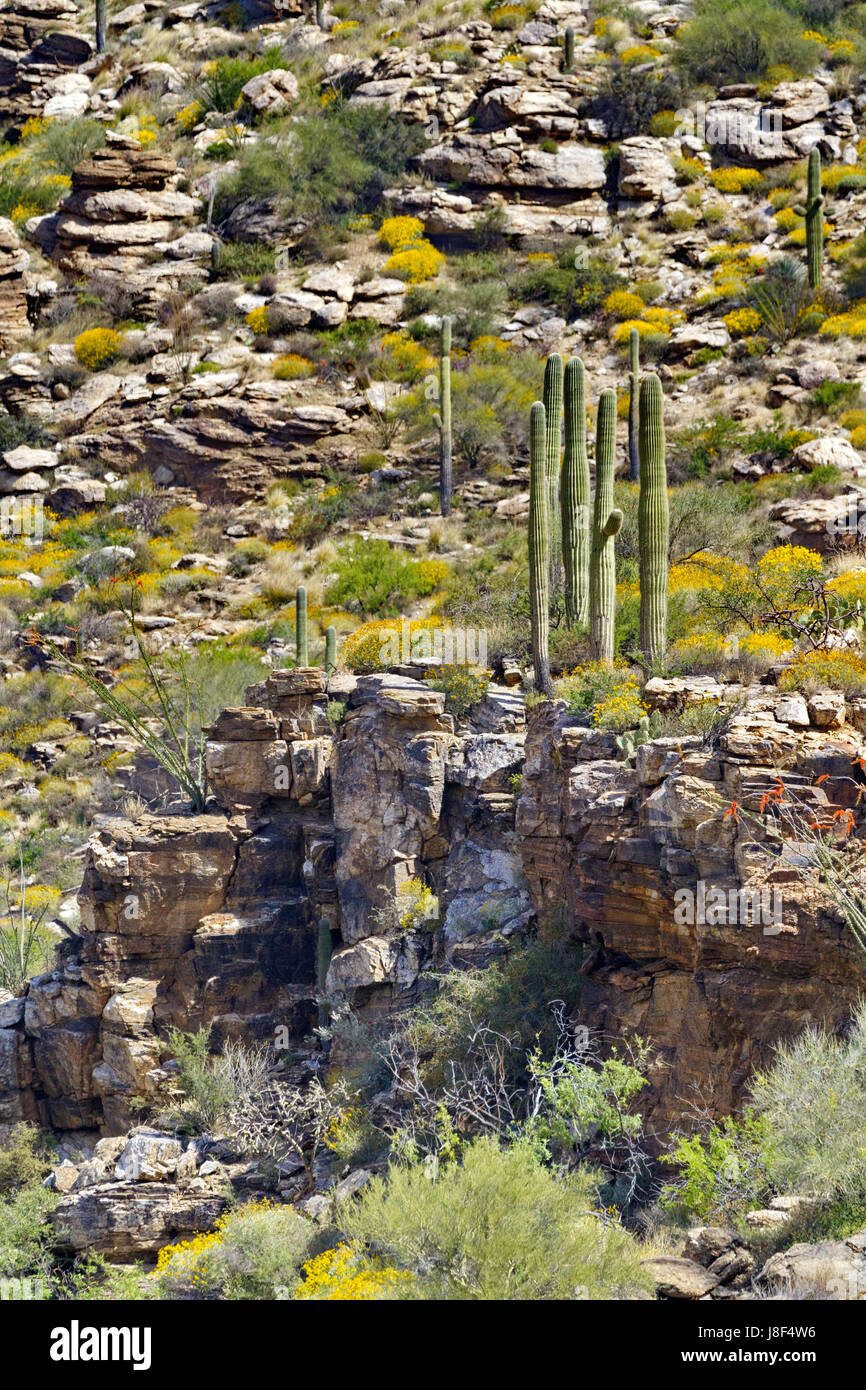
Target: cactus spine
330,649
606,522
552,400
301,651
574,498
568,60
653,525
539,547
633,389
323,961
445,419
813,211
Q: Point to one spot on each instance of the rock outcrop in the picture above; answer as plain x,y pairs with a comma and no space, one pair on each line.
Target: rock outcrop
14,264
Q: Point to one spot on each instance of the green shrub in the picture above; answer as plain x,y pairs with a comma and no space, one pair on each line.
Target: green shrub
245,260
497,1226
723,1172
26,1234
207,1086
627,100
570,288
377,581
255,1252
729,41
223,79
24,1159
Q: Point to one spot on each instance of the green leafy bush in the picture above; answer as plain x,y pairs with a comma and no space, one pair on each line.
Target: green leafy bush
377,581
497,1226
730,41
223,79
255,1252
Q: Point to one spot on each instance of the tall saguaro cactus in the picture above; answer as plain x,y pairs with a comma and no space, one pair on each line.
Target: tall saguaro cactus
539,547
552,400
323,961
633,387
813,211
575,497
101,24
301,650
445,418
653,523
330,649
606,522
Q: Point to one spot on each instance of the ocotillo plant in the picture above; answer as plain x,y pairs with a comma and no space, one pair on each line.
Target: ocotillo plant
323,961
633,388
330,649
552,401
606,522
539,547
653,525
813,211
574,496
301,651
568,55
445,418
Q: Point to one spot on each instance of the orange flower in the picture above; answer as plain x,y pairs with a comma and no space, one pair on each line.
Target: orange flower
732,812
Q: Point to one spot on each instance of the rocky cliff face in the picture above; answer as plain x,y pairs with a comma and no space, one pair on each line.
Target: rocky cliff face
213,918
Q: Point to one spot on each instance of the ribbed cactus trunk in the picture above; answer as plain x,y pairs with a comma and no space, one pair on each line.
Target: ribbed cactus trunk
101,24
323,961
653,525
574,497
813,211
445,418
539,548
330,649
633,388
320,13
302,655
568,57
606,522
552,400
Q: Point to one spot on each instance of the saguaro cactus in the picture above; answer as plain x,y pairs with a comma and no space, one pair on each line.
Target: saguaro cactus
552,401
813,211
330,649
653,525
633,388
568,55
323,961
101,20
606,522
445,418
320,13
539,547
574,498
301,650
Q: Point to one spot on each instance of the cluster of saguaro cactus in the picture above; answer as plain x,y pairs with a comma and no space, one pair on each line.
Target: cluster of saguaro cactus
813,211
653,524
445,418
301,650
588,546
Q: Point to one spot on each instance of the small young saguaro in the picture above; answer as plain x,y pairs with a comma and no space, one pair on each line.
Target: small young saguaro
606,524
330,650
101,24
445,418
813,211
568,54
539,548
574,496
301,649
653,522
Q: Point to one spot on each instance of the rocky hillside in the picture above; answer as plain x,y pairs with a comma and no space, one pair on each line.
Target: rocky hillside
373,806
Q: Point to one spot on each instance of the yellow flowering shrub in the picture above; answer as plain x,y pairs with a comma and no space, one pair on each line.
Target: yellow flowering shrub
489,346
850,586
764,644
463,686
835,670
621,709
622,304
850,324
190,116
735,179
345,1275
258,320
416,903
344,26
842,51
645,329
508,16
700,650
663,123
415,263
850,419
399,231
95,348
293,367
362,223
739,322
640,53
409,357
22,212
858,436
